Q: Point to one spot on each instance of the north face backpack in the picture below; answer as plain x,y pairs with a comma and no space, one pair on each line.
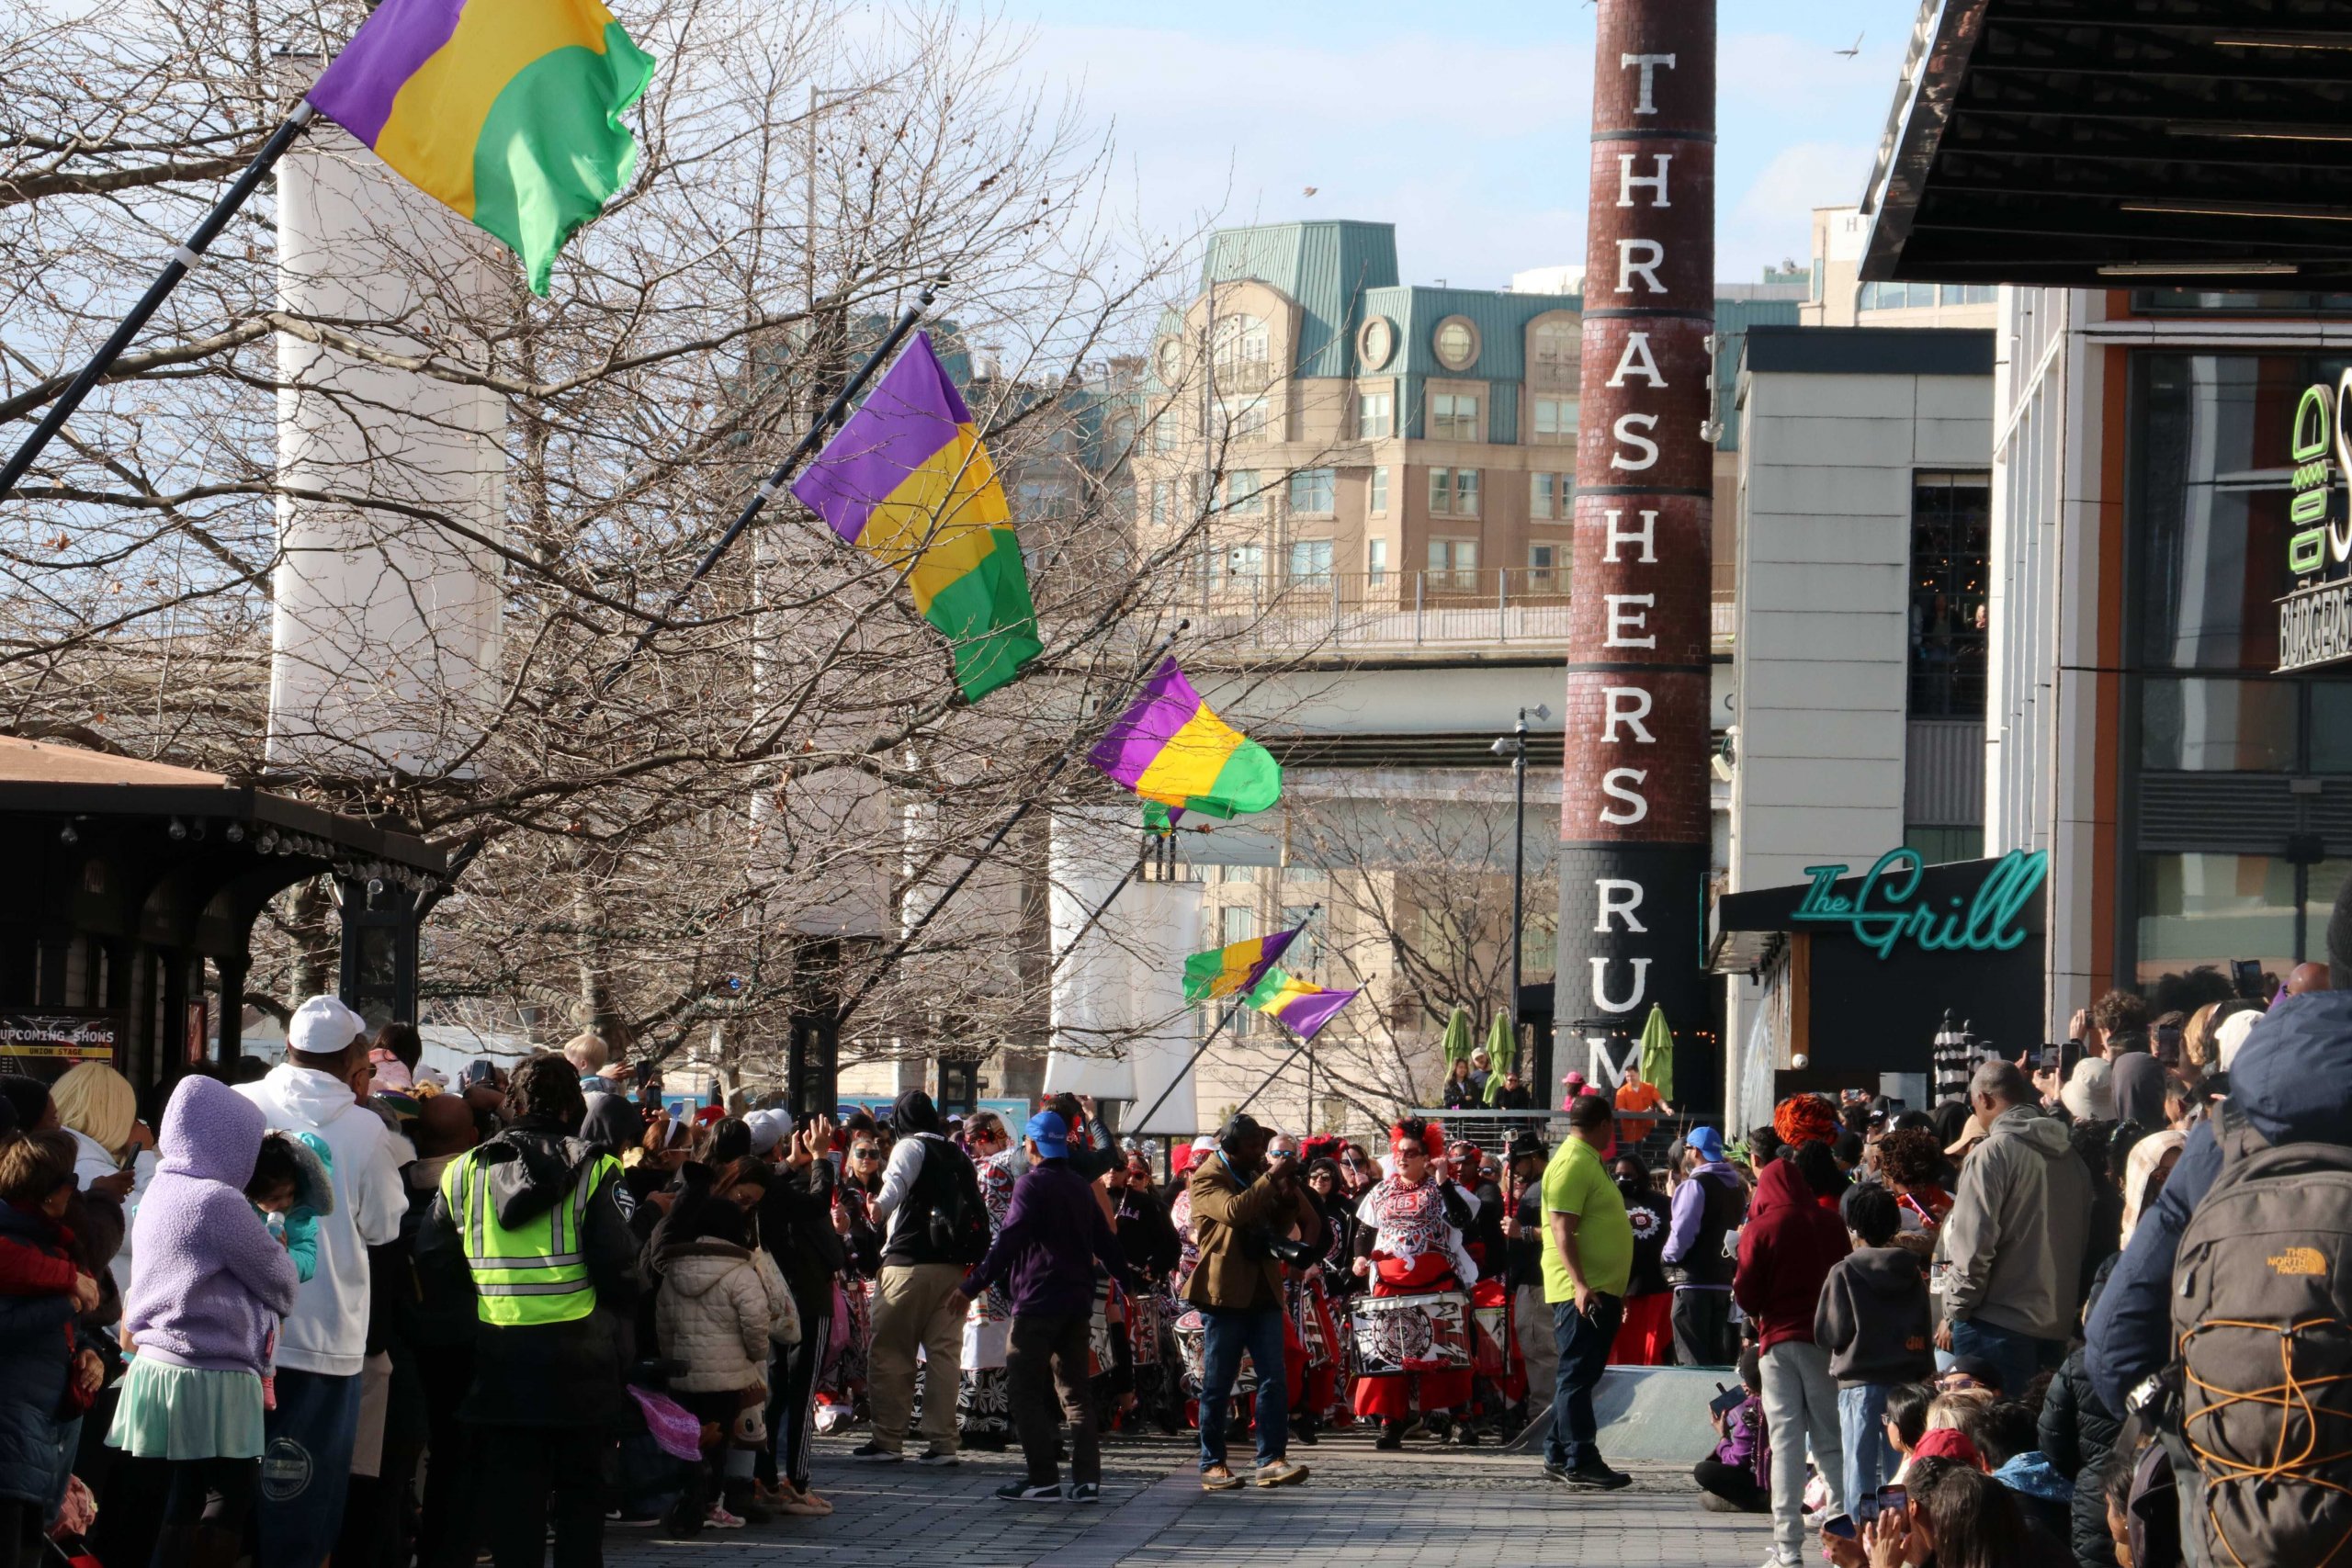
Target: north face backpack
2262,1319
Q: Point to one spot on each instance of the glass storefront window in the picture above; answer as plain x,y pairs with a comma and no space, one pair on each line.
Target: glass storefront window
2197,913
2231,727
2331,727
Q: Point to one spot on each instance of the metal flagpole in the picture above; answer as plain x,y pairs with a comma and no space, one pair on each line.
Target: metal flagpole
996,840
1142,1120
1271,1077
184,258
1100,910
1232,1012
773,486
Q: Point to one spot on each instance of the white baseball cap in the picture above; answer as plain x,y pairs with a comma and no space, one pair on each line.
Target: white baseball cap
2231,1036
769,1128
323,1027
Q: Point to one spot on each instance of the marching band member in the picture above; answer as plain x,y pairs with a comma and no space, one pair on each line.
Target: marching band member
1413,1224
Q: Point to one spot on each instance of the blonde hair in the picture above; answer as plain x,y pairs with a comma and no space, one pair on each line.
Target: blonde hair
99,1103
2196,1039
588,1052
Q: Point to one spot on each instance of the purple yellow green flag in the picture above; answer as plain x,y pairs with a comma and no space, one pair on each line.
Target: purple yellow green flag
907,480
1169,747
1233,969
1302,1008
508,111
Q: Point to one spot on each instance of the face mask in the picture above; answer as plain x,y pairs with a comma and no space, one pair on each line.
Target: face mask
1631,1188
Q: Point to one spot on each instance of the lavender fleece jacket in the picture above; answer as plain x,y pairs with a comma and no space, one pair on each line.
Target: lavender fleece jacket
212,1282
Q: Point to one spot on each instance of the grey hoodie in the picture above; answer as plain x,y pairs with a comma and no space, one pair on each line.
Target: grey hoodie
2011,1252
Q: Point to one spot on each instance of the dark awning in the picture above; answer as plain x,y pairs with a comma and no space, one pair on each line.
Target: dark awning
2104,143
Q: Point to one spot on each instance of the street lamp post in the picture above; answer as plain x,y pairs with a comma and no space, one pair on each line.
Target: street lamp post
1514,746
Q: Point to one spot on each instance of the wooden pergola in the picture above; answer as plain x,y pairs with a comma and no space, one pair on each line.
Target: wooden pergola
133,879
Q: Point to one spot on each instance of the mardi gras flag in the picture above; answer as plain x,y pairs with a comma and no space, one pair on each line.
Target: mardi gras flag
1170,747
1231,970
907,480
508,111
1303,1009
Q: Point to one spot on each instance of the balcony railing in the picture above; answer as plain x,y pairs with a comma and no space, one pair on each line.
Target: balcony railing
1392,609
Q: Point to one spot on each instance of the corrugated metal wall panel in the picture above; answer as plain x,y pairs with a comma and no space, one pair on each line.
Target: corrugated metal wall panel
1943,774
2231,813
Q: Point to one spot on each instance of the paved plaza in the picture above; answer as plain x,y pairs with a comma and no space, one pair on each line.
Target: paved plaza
1420,1508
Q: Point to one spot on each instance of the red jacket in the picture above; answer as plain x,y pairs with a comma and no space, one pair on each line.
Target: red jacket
1786,1250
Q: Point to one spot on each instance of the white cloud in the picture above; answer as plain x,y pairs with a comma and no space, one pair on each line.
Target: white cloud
1773,217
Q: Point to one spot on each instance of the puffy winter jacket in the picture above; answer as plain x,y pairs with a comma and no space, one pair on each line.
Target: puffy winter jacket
37,1345
2079,1432
2292,1081
1786,1251
715,1313
2010,1252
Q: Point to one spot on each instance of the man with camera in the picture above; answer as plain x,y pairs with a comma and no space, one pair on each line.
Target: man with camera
1244,1210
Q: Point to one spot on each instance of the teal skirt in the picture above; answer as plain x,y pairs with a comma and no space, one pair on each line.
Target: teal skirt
172,1411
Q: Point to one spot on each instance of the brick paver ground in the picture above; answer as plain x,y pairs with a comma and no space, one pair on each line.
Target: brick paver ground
1421,1508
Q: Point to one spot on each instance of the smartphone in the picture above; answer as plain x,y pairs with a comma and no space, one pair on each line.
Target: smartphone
1727,1400
2246,978
1866,1509
1894,1497
1843,1525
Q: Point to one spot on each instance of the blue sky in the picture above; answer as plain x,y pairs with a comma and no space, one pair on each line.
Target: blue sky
1466,125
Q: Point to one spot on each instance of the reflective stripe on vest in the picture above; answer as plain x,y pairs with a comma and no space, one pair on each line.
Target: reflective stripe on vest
531,1273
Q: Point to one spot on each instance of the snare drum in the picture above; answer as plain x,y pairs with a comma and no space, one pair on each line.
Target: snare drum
1412,1334
1191,1343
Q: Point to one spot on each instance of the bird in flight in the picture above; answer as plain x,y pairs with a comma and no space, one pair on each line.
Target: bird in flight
1312,189
1849,53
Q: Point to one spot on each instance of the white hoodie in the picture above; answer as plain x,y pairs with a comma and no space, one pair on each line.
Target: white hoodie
327,1332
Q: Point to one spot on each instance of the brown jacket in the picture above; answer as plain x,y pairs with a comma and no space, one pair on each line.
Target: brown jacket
1229,1275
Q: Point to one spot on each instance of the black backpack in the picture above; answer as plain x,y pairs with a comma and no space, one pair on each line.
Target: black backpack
957,1223
2262,1319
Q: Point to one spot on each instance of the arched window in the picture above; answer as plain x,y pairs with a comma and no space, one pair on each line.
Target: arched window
1240,345
1554,348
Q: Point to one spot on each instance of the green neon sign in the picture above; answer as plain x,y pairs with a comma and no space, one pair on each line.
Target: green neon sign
2322,453
1880,911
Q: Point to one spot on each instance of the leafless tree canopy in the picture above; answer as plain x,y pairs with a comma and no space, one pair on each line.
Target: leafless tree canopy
790,763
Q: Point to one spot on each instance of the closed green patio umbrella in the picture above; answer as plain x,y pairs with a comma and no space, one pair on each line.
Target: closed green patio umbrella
1459,1040
1658,1052
1502,1055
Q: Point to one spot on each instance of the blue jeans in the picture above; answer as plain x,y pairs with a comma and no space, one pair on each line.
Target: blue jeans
1231,1331
1861,1432
306,1467
1583,1340
2018,1356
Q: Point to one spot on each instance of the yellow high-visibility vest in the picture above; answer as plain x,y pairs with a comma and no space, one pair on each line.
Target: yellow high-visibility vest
532,1273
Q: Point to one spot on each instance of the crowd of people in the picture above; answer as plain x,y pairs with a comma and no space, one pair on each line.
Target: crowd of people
1975,1336
343,1309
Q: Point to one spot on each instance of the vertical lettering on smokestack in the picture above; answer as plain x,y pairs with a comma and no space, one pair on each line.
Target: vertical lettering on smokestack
1633,815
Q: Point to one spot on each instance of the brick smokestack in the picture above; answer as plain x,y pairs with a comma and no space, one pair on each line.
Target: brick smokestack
1633,813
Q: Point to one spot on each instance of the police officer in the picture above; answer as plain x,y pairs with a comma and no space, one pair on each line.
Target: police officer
534,1223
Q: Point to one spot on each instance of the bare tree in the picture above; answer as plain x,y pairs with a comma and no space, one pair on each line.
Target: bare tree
725,838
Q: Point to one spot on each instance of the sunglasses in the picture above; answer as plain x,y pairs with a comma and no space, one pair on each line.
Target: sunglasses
866,1153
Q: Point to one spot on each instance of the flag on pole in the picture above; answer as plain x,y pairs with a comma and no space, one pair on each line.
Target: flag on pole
1233,969
1169,746
508,111
907,480
1302,1008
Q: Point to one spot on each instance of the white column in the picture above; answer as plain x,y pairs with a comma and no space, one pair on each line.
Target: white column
385,634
